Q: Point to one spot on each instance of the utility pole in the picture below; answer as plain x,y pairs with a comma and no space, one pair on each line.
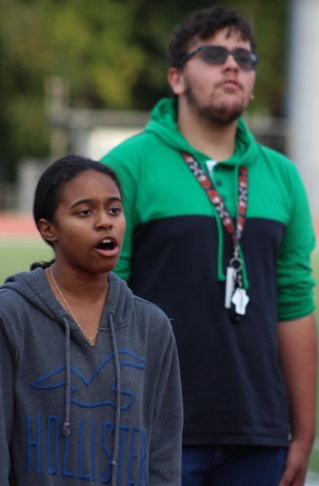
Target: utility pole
303,94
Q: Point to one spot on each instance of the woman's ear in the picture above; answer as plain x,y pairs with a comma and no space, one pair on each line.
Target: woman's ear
47,230
175,78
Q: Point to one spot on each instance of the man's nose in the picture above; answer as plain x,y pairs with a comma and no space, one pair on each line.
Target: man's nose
230,62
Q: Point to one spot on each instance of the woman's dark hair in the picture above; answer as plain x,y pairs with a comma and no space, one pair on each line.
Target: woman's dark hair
202,25
52,182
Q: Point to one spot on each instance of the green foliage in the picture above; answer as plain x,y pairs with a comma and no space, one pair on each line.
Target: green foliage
113,55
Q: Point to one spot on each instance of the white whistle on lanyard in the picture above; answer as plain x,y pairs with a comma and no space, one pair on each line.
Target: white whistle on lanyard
240,299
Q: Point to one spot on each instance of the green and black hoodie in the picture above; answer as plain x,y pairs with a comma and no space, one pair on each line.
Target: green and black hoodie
176,253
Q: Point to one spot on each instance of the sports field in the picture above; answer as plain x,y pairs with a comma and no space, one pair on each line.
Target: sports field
20,245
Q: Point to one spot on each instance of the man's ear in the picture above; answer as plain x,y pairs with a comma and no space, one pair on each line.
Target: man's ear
175,78
47,230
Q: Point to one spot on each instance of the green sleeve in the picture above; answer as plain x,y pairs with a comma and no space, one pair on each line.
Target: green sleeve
128,181
294,280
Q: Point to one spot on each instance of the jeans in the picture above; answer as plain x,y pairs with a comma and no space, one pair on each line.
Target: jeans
232,465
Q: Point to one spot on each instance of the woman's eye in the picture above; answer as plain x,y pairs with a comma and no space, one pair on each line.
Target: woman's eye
84,212
115,210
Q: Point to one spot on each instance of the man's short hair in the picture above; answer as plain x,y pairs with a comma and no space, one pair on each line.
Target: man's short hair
203,24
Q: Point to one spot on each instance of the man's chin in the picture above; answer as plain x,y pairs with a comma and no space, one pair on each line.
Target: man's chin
223,115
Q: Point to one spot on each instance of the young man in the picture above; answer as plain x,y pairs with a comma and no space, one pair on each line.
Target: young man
219,235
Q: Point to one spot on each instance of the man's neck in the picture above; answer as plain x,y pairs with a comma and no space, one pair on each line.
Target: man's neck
218,142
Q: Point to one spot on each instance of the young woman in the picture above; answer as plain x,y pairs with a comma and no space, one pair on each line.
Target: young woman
89,377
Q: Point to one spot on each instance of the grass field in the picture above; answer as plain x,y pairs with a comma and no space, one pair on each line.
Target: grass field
17,255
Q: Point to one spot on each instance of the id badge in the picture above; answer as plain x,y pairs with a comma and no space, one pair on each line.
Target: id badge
230,286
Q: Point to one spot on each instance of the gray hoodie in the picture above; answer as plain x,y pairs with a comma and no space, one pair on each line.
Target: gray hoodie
73,414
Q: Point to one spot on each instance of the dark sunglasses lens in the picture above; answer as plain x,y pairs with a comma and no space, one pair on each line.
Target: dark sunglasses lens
218,55
244,59
214,54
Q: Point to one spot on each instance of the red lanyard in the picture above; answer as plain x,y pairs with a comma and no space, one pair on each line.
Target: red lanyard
217,200
236,298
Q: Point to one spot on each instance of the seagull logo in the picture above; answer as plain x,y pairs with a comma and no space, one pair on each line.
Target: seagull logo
56,379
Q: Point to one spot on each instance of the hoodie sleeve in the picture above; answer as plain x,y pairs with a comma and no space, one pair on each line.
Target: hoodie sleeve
7,406
295,283
165,451
128,181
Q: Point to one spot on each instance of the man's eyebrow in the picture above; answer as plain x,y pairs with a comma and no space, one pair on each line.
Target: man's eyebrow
90,200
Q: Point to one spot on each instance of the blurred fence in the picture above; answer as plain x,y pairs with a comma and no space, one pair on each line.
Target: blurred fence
94,132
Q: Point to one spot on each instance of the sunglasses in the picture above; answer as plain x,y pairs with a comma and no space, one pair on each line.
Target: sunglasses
217,55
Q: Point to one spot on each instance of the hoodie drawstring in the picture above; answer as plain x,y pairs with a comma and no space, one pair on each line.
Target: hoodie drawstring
66,424
118,402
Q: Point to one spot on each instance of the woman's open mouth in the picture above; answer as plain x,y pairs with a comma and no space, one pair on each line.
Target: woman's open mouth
106,244
107,247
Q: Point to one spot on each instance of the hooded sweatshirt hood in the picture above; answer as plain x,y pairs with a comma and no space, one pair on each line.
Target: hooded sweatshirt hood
81,406
34,288
164,124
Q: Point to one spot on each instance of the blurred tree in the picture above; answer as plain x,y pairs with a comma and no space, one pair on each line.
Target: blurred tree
113,55
88,43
